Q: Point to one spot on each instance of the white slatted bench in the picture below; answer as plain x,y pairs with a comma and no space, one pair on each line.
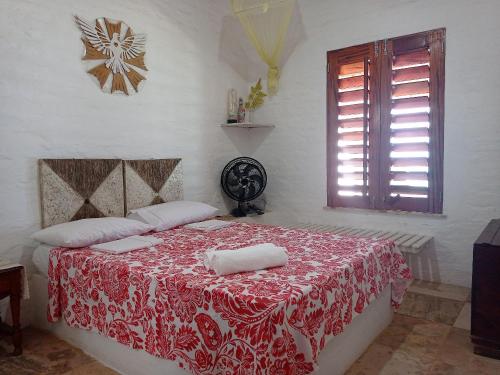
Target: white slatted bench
406,242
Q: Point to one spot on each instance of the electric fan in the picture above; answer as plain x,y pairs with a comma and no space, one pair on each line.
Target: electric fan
243,180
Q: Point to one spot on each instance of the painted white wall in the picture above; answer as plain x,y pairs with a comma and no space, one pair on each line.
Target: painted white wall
295,152
51,108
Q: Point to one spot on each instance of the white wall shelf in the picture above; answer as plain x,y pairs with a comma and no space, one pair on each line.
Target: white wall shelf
247,125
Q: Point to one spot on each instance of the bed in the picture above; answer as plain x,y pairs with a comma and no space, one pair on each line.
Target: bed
159,311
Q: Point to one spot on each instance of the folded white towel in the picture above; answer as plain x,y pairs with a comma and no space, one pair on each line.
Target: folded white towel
209,225
252,258
127,244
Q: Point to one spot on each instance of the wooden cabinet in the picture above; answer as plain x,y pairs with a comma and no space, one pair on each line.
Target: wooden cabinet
10,286
485,323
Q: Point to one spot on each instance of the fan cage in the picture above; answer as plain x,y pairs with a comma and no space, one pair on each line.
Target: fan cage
243,179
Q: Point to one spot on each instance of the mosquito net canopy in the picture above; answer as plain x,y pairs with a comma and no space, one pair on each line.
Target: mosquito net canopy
266,24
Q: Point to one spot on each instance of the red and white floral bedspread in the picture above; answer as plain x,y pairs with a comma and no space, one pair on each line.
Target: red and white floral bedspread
276,321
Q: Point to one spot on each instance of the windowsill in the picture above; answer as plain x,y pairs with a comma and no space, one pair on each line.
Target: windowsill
375,212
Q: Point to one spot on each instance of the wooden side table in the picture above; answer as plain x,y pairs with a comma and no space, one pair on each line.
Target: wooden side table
10,286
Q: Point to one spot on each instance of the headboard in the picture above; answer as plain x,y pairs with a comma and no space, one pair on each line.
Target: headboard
73,189
149,182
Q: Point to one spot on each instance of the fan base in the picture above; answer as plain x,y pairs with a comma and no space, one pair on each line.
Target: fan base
238,212
244,211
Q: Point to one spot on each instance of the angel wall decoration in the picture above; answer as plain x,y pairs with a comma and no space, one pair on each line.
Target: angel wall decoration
114,50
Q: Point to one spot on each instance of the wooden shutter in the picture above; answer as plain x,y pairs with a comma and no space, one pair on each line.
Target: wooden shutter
385,124
350,115
412,108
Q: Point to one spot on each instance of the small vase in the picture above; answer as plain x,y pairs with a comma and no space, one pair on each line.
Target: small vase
249,116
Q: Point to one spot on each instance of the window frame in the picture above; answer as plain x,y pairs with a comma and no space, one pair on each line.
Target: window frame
381,54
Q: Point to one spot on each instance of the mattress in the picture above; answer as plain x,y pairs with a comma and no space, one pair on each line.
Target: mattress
165,302
337,356
41,258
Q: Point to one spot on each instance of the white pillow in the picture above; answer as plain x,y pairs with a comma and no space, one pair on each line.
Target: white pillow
88,232
172,214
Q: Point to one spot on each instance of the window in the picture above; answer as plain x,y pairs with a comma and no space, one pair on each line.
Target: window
385,124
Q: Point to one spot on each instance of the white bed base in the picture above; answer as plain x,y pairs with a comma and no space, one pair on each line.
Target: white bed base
335,359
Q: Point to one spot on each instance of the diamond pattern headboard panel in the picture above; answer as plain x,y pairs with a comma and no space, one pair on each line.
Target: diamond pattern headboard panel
149,182
73,189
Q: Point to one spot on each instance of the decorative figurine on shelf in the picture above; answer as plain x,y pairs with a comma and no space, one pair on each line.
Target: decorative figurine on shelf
255,99
241,111
232,106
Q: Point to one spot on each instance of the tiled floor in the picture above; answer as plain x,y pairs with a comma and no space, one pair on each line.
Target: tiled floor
429,336
45,354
